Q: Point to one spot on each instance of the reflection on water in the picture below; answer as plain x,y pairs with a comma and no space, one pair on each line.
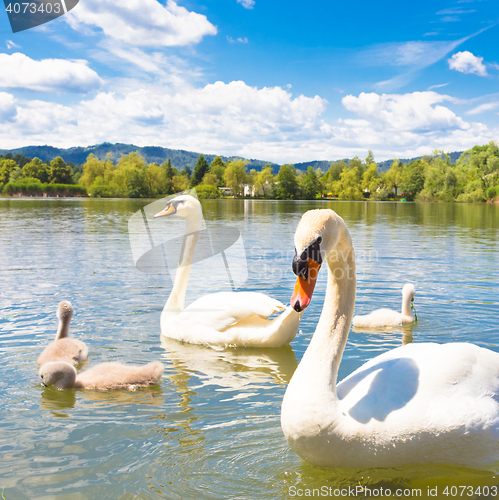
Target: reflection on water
404,333
232,368
212,429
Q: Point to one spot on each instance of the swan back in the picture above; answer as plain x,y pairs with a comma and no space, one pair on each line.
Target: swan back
116,375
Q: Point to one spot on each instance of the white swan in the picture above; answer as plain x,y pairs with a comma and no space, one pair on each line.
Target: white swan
73,351
388,317
225,318
418,403
62,375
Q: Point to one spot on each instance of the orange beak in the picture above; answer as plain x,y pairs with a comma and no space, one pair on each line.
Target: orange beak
170,209
304,288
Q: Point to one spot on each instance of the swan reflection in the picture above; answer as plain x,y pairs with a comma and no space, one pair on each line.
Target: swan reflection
232,368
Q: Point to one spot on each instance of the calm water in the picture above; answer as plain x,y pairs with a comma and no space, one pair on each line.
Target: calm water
211,429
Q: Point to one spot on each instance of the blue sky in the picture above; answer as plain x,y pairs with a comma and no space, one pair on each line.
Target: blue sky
282,81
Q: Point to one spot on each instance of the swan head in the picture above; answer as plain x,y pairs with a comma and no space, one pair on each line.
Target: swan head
316,237
409,291
184,206
65,311
60,374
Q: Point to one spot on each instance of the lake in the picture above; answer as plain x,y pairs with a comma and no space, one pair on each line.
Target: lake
211,429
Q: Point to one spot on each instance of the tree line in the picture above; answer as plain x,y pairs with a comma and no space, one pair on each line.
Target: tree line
473,178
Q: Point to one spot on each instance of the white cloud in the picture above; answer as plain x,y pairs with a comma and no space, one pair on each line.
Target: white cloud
239,40
410,54
247,4
144,23
405,112
8,109
11,45
466,62
32,119
454,11
437,86
489,106
48,75
236,119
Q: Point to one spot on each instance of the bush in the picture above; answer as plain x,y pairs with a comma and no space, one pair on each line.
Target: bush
28,186
34,187
473,197
381,194
205,192
424,196
490,194
65,190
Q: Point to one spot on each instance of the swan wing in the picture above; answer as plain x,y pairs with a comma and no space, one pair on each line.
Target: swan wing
224,309
230,319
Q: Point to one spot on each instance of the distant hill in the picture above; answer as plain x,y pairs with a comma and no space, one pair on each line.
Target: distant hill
152,154
384,166
178,157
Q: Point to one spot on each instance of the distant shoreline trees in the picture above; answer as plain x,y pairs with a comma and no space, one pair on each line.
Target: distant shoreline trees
473,178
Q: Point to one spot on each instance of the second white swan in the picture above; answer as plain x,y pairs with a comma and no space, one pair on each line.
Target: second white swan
225,318
388,317
419,403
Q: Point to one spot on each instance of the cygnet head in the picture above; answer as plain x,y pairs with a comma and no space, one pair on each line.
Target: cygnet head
409,291
60,374
65,311
316,236
183,206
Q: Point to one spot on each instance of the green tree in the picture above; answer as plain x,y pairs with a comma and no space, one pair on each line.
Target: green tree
202,167
333,174
180,183
130,176
16,175
60,173
348,187
393,178
37,170
218,168
235,176
370,179
310,185
155,180
94,168
187,172
287,183
264,182
169,173
6,168
413,178
205,192
210,179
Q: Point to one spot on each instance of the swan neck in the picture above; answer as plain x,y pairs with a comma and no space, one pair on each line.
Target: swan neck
323,356
176,301
63,329
406,305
